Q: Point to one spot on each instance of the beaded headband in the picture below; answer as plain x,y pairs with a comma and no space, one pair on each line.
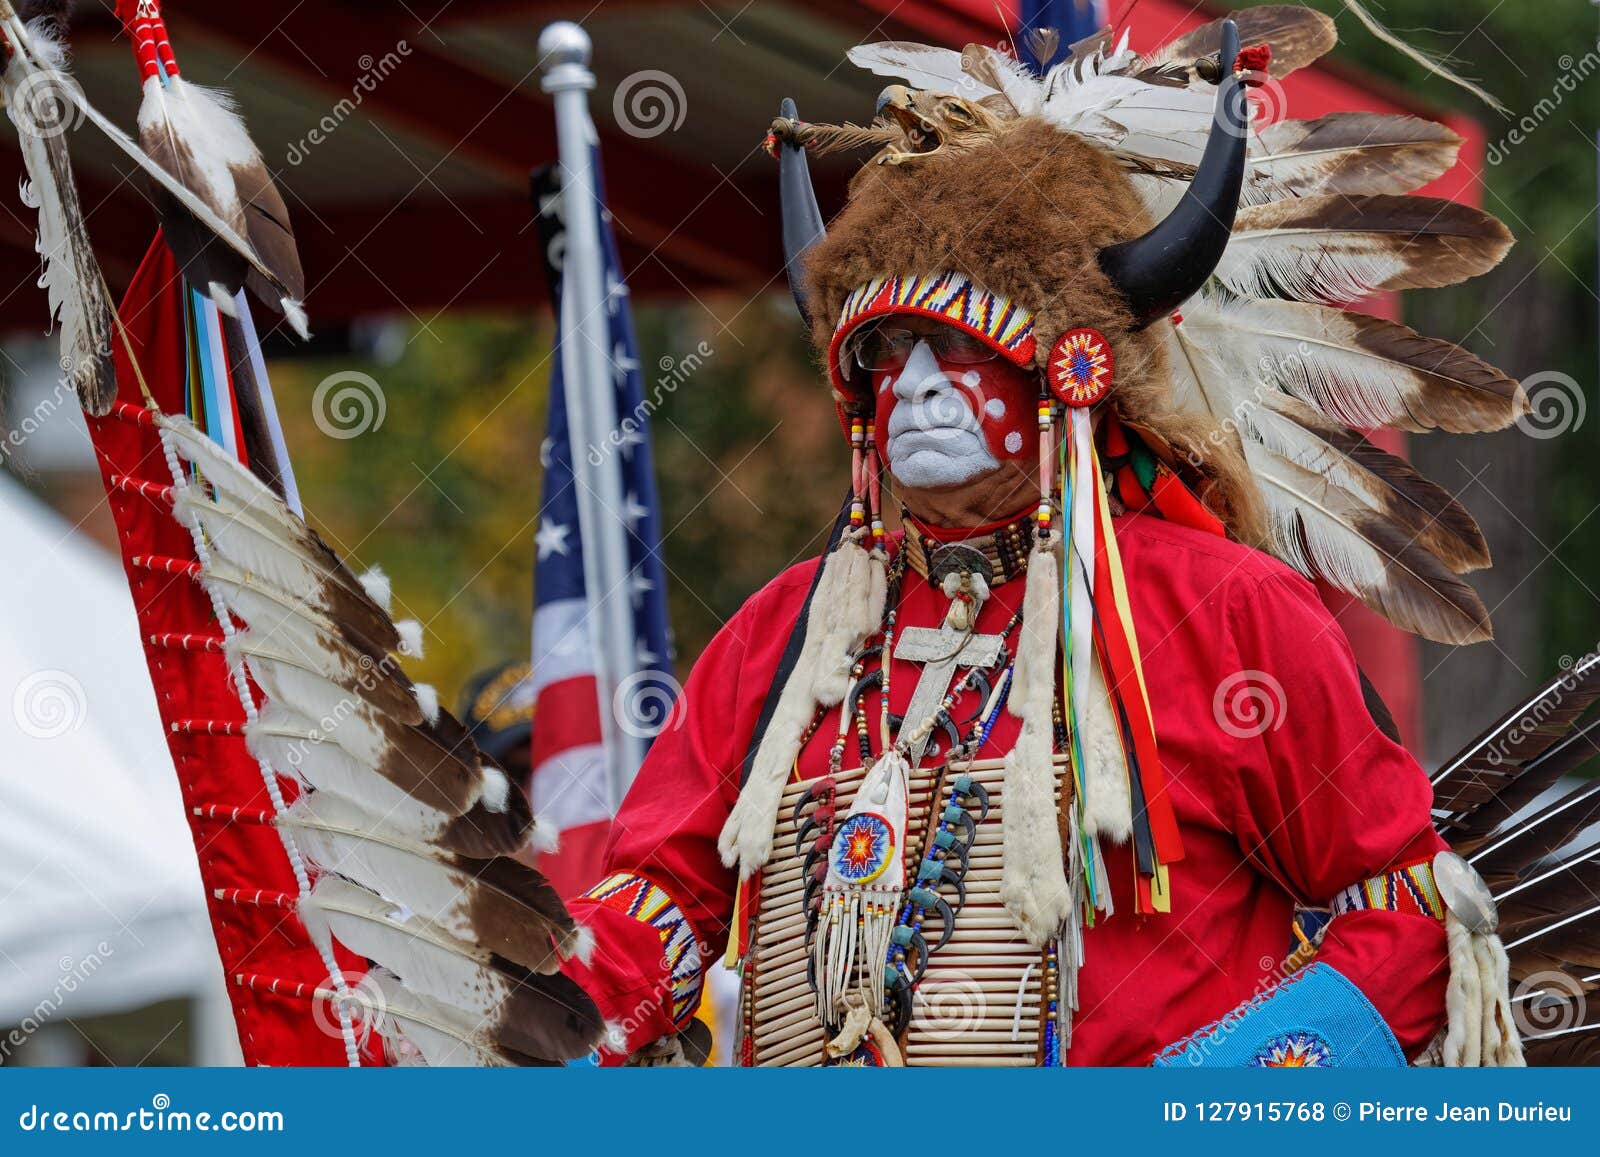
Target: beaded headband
949,297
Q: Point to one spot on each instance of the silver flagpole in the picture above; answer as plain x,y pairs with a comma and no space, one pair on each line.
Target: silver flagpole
590,393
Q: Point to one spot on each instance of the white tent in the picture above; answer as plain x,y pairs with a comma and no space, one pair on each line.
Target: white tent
101,905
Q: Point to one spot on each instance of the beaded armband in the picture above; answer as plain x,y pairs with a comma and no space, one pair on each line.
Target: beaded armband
649,903
1409,889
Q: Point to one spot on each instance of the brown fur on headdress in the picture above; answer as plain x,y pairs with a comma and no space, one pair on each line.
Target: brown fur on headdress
1025,215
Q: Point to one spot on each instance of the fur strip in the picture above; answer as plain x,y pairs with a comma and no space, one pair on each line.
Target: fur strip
1107,801
851,595
1033,678
1480,1032
1034,885
854,600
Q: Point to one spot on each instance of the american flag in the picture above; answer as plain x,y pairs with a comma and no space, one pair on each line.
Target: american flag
572,787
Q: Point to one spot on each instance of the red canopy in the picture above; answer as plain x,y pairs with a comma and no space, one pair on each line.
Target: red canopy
404,147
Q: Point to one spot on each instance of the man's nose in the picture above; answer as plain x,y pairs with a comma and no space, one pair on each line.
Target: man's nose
920,376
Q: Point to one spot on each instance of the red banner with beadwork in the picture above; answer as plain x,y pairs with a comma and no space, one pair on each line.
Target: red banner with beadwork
279,983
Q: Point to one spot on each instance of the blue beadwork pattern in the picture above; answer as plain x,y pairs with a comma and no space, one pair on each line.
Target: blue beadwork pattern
863,847
1316,1011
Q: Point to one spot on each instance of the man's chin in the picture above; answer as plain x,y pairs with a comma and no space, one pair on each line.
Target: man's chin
936,472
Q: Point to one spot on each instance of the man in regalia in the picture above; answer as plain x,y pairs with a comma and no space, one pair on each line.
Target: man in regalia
1052,774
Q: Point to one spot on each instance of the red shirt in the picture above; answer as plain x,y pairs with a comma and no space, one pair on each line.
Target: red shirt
1317,800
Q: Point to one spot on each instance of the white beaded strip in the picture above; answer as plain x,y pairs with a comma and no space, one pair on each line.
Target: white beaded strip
269,776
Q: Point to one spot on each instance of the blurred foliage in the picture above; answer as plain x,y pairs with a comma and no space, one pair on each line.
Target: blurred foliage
442,494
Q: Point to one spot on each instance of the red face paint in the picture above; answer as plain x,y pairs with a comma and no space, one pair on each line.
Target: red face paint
1002,394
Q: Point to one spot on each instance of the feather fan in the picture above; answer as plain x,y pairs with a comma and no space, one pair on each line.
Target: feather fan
77,295
1507,767
1504,803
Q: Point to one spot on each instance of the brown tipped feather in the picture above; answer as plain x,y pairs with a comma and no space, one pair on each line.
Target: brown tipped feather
1298,37
1352,153
423,762
1387,484
533,895
499,905
1340,248
1320,531
546,1016
1363,371
1044,43
267,226
482,832
197,136
549,1016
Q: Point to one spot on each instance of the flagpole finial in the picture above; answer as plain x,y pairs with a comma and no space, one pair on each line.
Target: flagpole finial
564,42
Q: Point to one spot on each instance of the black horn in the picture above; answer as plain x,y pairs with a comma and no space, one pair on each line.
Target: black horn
803,226
1160,270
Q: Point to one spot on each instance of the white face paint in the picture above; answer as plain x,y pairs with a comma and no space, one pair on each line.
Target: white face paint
935,439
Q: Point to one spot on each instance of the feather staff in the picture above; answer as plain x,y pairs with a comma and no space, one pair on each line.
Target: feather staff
499,904
42,112
413,829
22,42
538,1015
196,135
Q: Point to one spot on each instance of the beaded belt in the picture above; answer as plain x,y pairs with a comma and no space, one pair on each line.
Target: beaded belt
978,1003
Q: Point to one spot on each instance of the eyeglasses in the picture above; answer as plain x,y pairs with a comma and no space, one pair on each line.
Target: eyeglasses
887,347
